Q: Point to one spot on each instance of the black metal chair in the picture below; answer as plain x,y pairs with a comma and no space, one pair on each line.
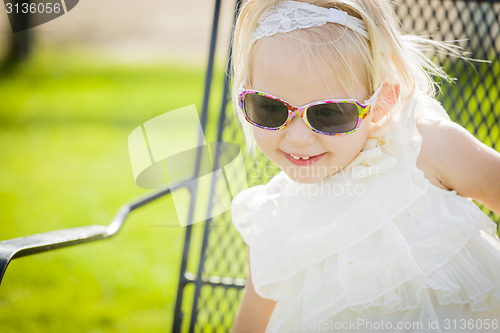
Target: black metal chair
213,273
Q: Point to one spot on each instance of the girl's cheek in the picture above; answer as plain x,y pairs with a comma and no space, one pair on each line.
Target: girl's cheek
259,138
263,136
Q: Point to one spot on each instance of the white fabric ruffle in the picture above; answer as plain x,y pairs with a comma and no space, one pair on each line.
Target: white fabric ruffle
377,235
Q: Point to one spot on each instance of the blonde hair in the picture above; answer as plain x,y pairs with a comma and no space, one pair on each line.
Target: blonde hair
387,55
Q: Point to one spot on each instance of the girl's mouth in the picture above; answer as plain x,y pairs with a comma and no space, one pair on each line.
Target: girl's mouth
303,160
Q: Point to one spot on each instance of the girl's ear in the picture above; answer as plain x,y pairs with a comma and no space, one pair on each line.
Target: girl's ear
385,101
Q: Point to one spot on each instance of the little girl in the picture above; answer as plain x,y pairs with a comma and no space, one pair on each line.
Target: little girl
368,226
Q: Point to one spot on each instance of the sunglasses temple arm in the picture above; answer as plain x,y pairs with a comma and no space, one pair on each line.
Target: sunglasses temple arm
374,96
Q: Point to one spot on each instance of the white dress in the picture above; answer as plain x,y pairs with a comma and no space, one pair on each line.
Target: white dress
374,248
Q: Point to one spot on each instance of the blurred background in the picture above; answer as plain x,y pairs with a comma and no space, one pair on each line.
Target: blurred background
130,31
69,98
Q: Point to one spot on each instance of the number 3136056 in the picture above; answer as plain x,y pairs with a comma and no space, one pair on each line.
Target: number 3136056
33,8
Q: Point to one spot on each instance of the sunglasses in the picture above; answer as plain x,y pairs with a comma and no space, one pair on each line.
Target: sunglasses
329,117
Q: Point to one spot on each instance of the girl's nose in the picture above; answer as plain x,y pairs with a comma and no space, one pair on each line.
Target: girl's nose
298,133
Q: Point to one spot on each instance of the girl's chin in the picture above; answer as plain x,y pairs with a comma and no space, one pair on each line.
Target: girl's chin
306,175
306,180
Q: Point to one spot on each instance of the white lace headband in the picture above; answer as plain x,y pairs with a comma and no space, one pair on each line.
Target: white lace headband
287,16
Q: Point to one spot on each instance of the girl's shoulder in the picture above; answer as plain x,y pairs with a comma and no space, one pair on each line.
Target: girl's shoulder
453,159
430,120
241,208
426,107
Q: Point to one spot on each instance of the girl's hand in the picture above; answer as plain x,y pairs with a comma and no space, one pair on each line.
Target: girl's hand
254,312
453,159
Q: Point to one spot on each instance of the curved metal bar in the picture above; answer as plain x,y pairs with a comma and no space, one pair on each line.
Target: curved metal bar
51,240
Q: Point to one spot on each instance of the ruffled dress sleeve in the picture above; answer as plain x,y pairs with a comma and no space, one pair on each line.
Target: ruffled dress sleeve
241,209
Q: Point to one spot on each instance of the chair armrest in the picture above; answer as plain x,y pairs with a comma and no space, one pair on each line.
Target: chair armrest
23,246
51,240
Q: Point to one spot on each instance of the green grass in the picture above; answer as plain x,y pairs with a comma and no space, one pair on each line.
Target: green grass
64,124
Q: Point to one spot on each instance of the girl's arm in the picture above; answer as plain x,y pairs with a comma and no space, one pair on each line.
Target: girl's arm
254,312
453,159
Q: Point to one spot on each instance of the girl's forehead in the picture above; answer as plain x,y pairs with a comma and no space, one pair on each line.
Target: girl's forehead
297,72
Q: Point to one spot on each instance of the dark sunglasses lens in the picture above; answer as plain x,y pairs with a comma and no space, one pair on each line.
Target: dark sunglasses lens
265,111
333,117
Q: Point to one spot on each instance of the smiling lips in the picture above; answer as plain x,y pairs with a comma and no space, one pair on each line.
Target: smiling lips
303,160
